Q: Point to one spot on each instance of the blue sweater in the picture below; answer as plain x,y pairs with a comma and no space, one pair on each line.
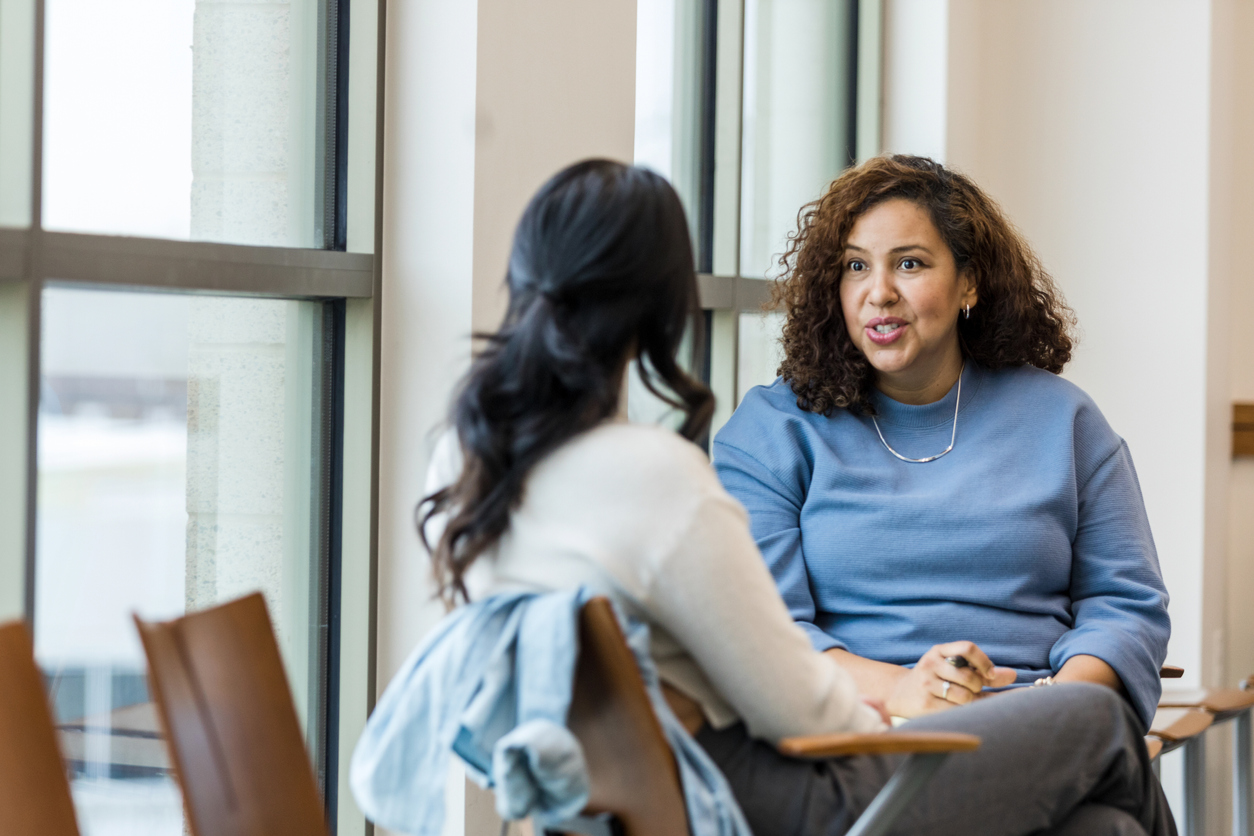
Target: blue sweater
1030,538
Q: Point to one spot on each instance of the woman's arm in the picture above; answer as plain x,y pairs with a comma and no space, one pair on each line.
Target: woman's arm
1117,595
773,498
713,595
1090,669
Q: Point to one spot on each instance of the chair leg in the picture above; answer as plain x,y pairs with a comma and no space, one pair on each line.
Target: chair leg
1195,786
1241,791
900,790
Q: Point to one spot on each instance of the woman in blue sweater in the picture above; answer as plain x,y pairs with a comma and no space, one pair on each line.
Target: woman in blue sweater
921,483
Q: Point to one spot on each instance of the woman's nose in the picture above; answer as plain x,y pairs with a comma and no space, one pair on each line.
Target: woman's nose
883,292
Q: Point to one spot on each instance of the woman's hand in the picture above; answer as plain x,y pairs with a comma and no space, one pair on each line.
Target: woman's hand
935,685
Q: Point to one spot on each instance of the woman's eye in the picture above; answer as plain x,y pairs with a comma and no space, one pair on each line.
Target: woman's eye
911,264
856,267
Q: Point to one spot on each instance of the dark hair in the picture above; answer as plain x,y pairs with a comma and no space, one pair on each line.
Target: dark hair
601,268
1021,317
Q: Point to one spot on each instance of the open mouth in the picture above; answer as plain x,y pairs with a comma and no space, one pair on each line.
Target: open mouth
885,329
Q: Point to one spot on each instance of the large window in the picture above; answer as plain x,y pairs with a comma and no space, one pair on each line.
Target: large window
751,107
187,309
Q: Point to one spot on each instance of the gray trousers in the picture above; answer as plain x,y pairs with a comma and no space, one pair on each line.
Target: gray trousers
1068,759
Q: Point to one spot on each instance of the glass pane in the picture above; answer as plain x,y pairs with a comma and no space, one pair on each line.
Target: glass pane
797,113
17,89
668,94
183,119
760,351
179,466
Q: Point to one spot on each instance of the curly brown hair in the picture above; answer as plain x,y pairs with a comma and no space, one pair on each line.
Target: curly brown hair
1021,318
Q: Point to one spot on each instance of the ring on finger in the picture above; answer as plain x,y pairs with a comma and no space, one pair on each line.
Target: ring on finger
945,690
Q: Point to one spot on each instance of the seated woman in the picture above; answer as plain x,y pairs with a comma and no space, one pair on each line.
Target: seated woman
919,474
541,486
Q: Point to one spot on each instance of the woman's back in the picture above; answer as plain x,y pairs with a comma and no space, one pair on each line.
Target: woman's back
636,513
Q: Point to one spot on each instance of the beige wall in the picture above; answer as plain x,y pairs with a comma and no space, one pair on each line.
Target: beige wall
1240,213
556,83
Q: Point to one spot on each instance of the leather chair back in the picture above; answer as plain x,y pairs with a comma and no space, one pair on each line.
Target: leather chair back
235,741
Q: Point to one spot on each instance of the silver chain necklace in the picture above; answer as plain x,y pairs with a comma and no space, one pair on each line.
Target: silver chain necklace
954,435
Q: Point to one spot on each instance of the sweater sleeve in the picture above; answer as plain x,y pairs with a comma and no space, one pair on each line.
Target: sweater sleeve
1119,601
713,594
775,517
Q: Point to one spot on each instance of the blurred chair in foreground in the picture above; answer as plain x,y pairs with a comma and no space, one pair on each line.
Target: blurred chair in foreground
635,785
235,741
34,792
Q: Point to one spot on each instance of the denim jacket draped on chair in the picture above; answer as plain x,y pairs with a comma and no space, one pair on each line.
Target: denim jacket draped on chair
493,684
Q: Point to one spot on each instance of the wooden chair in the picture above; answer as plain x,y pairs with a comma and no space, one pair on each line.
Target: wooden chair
235,741
635,784
34,792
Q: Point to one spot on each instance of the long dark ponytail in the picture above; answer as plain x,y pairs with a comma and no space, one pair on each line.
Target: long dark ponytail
601,267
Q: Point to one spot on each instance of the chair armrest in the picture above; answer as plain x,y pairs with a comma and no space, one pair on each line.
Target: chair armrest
1173,725
1154,746
1170,672
1214,700
878,743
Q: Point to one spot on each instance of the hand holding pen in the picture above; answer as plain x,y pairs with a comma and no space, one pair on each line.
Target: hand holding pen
948,675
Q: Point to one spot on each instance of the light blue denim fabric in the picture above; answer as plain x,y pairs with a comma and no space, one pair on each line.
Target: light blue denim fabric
493,684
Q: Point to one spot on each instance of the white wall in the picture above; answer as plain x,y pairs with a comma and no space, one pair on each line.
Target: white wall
482,107
427,245
1116,136
483,103
1089,123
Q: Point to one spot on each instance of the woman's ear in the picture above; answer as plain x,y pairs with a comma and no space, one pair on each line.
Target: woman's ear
971,292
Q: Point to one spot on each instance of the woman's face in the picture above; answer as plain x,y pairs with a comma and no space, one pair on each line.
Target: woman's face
902,294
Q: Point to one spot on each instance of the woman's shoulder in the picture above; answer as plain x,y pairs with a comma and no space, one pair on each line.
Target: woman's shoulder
633,453
768,414
1050,391
1046,398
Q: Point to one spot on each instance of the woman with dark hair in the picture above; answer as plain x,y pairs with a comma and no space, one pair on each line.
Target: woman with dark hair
541,486
922,484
